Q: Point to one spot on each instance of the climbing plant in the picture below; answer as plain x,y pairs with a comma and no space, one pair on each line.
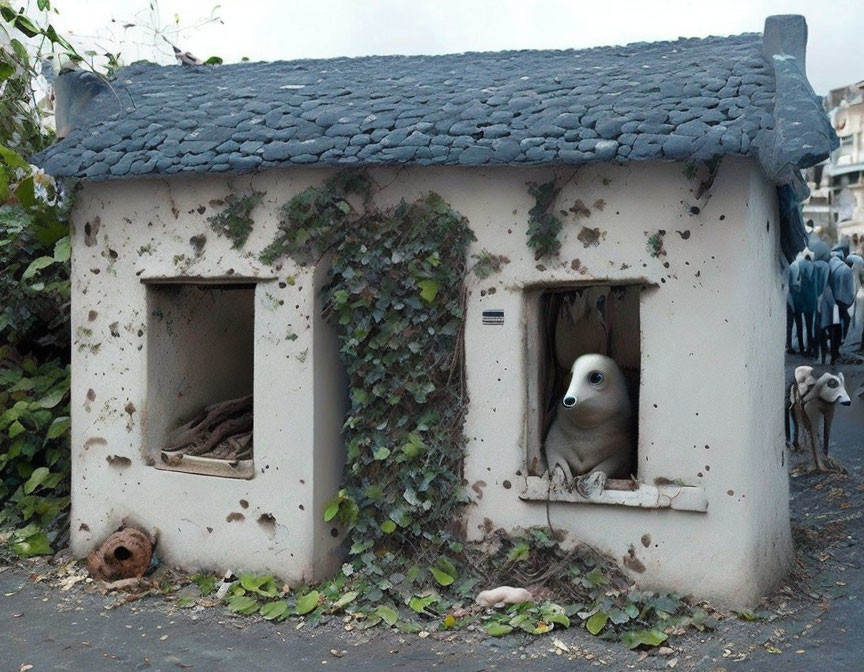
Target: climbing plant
395,294
543,224
235,221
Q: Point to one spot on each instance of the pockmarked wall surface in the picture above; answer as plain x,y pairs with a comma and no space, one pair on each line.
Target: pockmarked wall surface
711,319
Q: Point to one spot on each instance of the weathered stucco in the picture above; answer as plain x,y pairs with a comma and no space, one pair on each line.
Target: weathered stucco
711,376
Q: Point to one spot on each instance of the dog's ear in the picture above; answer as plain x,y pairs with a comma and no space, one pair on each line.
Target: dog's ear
842,379
802,373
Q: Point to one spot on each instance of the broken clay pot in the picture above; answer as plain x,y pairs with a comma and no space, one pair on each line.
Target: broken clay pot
124,555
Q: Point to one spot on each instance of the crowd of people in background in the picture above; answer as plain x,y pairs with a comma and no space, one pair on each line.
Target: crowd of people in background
825,301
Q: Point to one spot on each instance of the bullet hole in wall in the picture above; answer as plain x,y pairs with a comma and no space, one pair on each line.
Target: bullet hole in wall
267,522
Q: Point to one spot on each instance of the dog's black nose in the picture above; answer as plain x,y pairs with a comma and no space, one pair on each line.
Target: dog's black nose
842,403
569,402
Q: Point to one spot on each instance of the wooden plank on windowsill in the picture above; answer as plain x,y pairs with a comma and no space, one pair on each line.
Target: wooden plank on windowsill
622,493
206,466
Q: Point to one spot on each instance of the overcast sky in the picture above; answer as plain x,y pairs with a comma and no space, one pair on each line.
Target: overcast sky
290,29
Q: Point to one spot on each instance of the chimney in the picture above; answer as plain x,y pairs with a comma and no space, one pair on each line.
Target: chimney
785,35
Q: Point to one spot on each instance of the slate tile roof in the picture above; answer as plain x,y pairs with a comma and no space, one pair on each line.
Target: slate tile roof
690,99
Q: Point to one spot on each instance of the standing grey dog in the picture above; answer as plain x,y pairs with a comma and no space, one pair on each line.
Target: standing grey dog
813,399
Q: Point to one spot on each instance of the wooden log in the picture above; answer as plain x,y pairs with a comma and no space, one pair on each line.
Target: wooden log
208,421
221,432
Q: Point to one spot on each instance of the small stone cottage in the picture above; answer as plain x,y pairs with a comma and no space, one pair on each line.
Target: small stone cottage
676,173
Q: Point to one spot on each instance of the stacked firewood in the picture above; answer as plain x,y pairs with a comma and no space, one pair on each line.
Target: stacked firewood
222,431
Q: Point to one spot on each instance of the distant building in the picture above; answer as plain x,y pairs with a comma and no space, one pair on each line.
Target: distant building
836,204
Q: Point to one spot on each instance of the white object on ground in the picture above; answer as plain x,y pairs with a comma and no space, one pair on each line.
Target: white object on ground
503,595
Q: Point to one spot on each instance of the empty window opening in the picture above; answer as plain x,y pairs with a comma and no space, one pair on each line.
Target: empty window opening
200,352
564,324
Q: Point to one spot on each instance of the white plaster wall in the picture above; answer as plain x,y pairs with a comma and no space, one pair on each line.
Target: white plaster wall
711,374
711,331
144,235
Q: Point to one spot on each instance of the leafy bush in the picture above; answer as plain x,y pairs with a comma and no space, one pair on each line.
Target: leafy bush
34,369
34,303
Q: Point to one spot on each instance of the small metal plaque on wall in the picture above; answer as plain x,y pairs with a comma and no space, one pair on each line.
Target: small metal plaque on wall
494,317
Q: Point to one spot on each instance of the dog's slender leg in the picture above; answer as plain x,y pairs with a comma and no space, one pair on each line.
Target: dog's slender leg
826,434
826,419
811,429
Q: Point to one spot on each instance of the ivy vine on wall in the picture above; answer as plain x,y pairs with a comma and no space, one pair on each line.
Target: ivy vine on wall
395,293
543,225
235,220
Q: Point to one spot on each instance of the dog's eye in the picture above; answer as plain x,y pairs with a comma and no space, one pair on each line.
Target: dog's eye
595,377
833,383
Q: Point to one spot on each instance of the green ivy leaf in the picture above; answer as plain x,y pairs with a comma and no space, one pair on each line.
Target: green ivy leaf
30,541
419,603
53,398
633,638
15,429
381,453
554,613
331,510
442,577
261,585
414,446
345,600
445,564
243,604
428,290
12,158
62,249
596,623
58,427
36,479
307,602
388,614
274,610
37,265
518,552
498,629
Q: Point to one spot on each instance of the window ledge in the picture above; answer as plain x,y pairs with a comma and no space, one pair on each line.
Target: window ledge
622,493
205,466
